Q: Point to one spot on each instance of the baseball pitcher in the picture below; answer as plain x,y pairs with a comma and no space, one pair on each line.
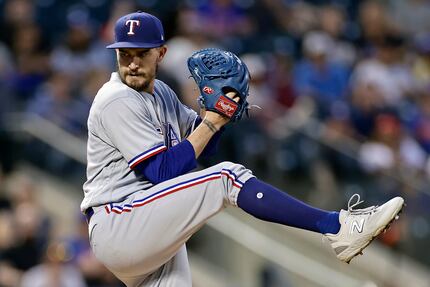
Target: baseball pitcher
143,200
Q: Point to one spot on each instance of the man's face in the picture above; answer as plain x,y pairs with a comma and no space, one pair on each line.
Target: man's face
138,66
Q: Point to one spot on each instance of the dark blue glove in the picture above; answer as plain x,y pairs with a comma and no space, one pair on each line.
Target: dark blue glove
218,72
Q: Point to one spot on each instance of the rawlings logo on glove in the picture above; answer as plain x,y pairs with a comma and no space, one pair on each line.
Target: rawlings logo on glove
217,72
225,107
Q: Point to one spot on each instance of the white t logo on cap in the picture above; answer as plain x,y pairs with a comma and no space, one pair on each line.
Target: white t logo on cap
132,22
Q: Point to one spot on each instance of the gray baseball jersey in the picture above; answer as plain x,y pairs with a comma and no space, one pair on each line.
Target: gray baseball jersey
126,127
138,229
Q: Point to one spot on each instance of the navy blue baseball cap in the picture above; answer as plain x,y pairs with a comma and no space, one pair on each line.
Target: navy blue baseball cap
138,30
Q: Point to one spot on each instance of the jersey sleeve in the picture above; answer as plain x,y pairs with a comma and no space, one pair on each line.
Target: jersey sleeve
188,119
128,125
185,115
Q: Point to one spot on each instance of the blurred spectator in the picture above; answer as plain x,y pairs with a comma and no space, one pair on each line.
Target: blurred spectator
81,256
280,79
387,71
374,24
15,15
9,275
365,102
80,52
52,101
56,101
24,229
29,213
30,52
421,64
76,118
260,93
332,21
54,270
221,19
316,76
411,16
302,18
391,149
259,90
419,120
269,17
26,251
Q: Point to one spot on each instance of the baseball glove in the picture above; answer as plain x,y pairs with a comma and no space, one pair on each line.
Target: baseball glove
216,73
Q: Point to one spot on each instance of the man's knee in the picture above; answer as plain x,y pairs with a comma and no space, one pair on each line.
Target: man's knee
232,177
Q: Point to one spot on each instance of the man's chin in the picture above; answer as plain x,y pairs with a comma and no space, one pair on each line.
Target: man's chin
136,85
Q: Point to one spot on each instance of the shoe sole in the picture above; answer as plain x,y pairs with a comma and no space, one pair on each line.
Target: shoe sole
378,231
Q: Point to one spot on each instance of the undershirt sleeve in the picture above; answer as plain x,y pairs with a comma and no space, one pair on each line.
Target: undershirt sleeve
176,161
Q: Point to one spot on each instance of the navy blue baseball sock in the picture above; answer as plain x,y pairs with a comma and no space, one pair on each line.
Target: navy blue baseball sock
271,204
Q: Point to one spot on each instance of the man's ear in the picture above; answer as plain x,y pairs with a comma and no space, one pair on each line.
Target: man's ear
161,53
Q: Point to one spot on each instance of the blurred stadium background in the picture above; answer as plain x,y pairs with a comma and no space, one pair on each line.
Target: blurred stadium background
344,88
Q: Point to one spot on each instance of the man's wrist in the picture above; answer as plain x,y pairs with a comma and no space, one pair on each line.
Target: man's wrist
210,125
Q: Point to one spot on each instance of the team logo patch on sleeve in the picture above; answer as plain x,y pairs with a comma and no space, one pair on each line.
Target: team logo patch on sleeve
170,136
225,106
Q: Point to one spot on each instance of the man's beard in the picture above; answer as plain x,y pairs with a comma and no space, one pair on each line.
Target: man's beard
139,86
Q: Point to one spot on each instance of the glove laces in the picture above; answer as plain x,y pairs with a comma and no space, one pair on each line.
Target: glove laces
351,206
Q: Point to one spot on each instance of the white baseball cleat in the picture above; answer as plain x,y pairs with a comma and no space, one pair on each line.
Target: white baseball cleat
358,227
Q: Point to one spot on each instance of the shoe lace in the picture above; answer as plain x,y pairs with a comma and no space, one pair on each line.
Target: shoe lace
351,205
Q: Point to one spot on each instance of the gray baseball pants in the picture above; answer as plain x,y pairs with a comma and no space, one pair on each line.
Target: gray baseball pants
142,239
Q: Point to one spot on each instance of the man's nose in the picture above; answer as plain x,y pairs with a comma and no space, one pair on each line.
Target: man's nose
134,64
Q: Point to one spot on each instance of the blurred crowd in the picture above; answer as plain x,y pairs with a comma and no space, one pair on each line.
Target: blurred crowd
34,252
360,69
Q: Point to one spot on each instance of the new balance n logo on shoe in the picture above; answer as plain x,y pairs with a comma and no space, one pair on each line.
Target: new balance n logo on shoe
357,225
